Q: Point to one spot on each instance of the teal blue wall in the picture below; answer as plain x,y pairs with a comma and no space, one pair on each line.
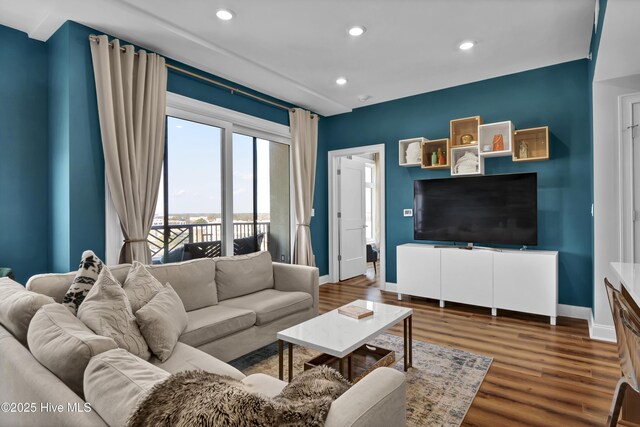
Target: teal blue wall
555,96
24,229
76,161
59,152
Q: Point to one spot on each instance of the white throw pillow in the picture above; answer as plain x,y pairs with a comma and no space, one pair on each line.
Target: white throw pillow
88,272
107,312
140,286
162,320
64,345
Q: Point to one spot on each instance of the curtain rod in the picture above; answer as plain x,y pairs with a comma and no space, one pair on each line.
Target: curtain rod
231,89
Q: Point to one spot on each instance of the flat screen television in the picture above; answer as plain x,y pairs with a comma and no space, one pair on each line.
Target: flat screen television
494,209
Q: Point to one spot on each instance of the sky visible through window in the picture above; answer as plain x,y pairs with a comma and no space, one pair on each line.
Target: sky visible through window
195,170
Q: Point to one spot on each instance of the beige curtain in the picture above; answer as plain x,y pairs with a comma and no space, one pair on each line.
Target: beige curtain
304,146
131,91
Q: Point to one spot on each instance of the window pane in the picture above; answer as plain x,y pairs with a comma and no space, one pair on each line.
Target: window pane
274,199
194,191
368,195
243,212
368,174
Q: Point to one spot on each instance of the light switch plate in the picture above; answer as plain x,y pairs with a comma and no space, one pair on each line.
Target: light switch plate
313,212
408,212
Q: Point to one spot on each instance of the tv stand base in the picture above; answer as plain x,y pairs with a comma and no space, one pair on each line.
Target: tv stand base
507,279
469,247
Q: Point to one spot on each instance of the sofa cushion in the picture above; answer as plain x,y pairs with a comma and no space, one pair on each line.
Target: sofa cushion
18,306
194,281
140,286
107,312
64,345
56,285
115,380
161,322
270,305
243,274
187,358
90,268
214,322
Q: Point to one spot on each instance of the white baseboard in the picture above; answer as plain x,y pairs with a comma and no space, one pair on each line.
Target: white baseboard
391,287
574,311
324,279
601,332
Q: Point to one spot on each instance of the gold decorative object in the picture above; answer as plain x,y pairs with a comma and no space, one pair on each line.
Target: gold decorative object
466,139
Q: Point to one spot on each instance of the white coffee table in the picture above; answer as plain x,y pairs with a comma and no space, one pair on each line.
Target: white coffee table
339,335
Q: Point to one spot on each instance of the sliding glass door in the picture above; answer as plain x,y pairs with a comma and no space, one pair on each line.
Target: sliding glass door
261,197
189,221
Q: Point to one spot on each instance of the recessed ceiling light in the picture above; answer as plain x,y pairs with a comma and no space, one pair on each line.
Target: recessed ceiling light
341,81
357,31
225,14
466,45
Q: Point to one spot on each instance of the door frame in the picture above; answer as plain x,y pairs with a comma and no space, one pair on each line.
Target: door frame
626,174
334,276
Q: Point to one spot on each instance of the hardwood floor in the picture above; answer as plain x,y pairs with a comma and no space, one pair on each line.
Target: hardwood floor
541,375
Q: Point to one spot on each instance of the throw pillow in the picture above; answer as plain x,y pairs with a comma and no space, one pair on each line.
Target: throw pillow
203,399
18,306
90,267
107,312
140,286
64,345
161,322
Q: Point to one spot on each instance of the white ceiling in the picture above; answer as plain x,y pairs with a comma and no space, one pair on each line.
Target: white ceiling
295,49
618,54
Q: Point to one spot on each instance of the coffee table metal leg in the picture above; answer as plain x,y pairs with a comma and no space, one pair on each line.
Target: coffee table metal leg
410,341
290,361
280,360
406,343
350,368
341,366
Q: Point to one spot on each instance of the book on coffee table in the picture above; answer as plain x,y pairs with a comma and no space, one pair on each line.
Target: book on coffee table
355,311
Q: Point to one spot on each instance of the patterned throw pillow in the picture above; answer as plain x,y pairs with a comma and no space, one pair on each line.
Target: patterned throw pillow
140,286
90,268
107,312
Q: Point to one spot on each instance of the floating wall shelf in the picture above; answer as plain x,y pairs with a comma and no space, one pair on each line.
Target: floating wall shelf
487,138
466,126
432,146
403,144
531,144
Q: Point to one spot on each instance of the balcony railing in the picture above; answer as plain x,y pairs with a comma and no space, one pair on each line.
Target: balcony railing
193,233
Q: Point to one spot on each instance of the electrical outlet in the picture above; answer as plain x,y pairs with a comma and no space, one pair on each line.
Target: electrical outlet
407,212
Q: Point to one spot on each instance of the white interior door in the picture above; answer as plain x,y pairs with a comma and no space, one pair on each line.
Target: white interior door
352,219
635,141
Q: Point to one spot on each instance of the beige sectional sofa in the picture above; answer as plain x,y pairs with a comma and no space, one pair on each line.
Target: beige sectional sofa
234,305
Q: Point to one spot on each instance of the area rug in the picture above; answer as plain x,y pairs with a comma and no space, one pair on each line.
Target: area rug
440,386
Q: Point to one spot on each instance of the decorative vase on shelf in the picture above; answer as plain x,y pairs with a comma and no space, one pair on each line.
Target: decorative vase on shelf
524,151
498,142
434,159
414,153
442,160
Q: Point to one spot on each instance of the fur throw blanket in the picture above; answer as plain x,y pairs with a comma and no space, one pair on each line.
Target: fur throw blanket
203,399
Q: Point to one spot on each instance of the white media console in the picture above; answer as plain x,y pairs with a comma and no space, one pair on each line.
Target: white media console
508,279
